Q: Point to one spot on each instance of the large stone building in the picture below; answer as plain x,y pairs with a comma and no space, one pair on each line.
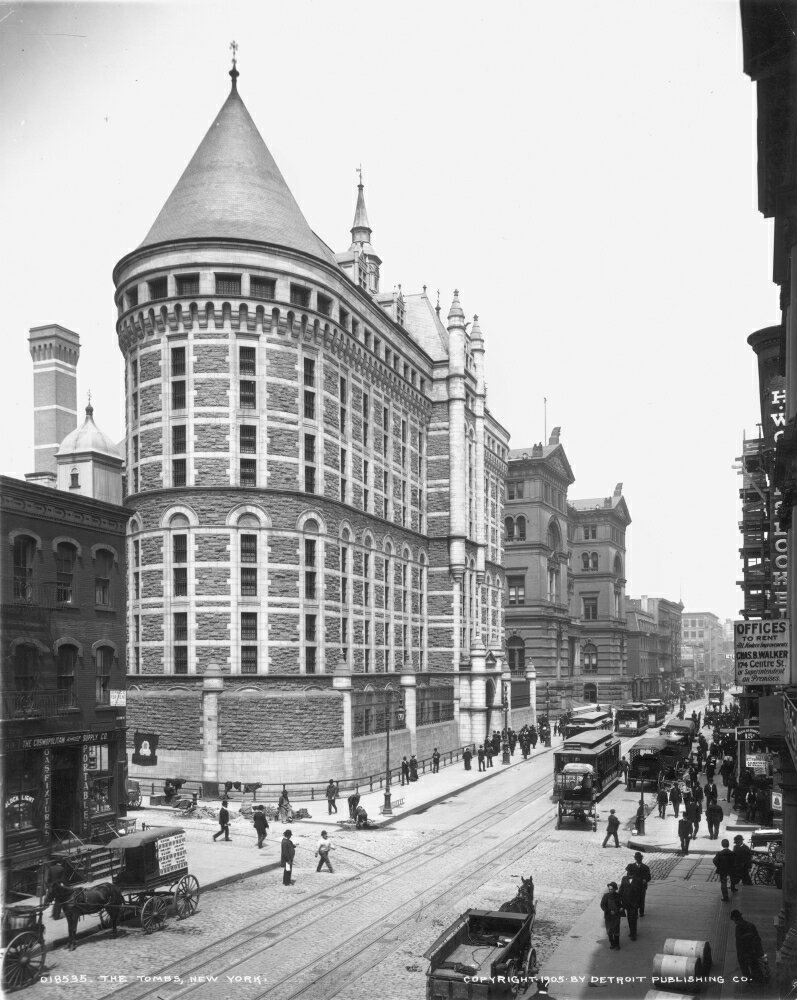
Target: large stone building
702,631
317,485
654,646
565,570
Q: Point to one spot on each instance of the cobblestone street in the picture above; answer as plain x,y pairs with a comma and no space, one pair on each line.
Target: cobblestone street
392,893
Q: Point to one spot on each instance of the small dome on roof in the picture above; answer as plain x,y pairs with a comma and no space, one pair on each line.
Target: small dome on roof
88,438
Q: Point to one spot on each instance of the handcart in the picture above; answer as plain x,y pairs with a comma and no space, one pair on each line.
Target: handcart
23,947
154,876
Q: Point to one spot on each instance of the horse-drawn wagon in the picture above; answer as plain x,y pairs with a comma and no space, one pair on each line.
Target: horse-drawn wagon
485,953
154,875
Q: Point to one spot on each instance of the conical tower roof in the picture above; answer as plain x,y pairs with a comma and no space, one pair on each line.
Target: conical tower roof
233,189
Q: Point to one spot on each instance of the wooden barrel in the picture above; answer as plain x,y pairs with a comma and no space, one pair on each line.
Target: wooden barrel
691,949
678,972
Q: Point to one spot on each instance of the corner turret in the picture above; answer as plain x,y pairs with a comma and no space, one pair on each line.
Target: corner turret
360,261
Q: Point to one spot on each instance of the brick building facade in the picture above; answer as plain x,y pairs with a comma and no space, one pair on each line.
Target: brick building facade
317,485
63,625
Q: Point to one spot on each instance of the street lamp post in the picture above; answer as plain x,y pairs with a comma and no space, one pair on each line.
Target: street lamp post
387,808
505,682
547,714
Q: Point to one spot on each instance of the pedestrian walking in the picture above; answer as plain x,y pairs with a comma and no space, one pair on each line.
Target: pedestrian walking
512,742
624,765
488,754
711,792
714,815
693,816
612,826
332,794
732,784
612,908
743,861
710,770
260,824
224,821
467,757
630,898
405,771
287,853
496,743
435,760
322,851
749,949
533,737
676,798
724,863
661,802
413,768
480,756
749,801
644,873
684,833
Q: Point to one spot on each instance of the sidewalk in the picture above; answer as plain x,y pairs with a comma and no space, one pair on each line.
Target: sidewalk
683,905
217,864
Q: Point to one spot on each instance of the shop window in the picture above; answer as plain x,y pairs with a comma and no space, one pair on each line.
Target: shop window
99,776
22,803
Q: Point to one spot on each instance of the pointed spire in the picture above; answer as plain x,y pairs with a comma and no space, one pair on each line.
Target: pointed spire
456,315
361,229
476,338
234,71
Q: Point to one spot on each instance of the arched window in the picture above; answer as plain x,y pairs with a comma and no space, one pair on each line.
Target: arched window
585,560
509,529
24,553
26,667
74,479
591,693
590,659
103,564
516,654
593,561
65,561
554,539
521,528
618,566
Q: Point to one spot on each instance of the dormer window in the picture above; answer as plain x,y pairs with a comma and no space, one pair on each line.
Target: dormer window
157,288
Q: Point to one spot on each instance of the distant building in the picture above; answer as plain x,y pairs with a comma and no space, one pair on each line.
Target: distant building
702,632
654,646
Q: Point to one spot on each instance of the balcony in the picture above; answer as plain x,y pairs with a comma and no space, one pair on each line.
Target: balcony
22,593
37,704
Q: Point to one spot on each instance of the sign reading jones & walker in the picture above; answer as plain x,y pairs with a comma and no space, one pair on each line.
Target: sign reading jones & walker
762,651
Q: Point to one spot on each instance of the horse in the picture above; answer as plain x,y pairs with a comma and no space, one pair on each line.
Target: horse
77,903
523,901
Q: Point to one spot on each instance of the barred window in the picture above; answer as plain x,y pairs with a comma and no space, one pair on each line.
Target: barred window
247,391
180,548
157,288
249,548
178,439
247,361
248,659
181,626
178,472
187,284
247,439
178,395
248,581
309,405
228,284
181,659
300,296
248,472
178,361
249,626
262,288
180,581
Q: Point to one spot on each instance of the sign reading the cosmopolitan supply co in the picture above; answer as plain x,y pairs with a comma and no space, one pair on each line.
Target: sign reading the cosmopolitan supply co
762,651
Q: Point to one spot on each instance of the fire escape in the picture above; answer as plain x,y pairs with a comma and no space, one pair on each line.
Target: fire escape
756,497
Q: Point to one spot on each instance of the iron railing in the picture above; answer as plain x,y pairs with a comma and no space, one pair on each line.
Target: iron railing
37,704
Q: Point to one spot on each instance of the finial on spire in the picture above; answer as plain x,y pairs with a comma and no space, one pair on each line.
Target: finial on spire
89,407
437,307
360,172
234,72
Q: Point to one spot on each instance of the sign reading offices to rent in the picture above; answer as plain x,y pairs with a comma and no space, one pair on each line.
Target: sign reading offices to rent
762,651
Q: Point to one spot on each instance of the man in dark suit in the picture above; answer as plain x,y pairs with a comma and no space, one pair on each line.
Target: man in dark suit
287,853
224,822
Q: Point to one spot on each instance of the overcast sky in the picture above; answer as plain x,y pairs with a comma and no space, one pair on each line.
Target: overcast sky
583,172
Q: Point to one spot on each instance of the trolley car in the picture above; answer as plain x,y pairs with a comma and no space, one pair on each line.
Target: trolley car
651,757
657,712
632,719
154,876
597,719
585,768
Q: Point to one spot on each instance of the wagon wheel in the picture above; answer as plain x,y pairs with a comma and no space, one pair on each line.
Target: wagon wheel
135,802
153,914
761,875
23,961
186,896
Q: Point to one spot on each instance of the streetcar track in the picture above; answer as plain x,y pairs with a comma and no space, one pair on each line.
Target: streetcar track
444,842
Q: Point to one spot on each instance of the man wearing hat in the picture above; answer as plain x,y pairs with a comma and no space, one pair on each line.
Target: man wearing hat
332,794
612,826
631,897
724,863
743,860
644,874
611,906
287,852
